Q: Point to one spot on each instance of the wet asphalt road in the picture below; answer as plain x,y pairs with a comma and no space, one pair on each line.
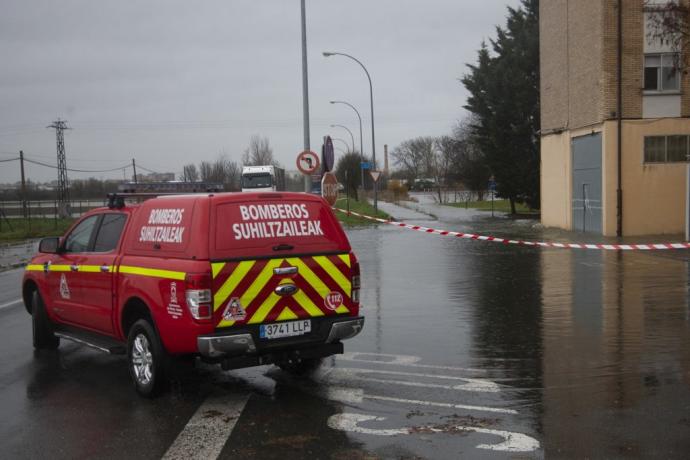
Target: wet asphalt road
471,350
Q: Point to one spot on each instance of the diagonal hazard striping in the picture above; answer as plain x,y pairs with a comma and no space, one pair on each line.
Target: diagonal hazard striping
540,244
209,428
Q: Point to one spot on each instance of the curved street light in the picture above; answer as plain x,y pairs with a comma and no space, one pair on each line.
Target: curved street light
371,100
347,146
348,130
361,145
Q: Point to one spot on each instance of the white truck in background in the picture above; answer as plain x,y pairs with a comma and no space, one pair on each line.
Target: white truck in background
266,178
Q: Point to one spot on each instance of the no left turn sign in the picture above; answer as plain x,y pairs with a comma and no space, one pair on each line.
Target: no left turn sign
308,162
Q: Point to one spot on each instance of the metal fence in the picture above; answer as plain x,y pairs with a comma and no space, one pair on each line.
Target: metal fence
45,209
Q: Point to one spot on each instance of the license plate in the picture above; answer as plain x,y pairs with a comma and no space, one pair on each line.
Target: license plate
287,329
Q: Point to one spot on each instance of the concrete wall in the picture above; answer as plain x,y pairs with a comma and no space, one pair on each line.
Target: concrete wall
556,179
653,194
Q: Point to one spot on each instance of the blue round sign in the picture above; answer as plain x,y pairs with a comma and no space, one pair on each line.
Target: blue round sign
328,155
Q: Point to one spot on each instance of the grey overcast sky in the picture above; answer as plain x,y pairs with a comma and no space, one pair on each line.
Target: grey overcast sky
173,82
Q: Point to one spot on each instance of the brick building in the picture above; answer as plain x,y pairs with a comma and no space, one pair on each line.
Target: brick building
580,117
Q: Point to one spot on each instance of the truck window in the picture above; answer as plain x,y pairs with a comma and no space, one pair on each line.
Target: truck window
109,232
256,180
79,238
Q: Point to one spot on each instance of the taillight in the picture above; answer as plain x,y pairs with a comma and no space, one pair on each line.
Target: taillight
199,295
356,280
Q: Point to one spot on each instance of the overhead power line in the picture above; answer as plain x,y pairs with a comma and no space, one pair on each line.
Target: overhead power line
40,163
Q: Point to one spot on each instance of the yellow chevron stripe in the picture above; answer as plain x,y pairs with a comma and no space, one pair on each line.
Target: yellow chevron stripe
153,272
334,273
342,309
216,268
310,277
286,315
345,258
231,283
260,315
307,304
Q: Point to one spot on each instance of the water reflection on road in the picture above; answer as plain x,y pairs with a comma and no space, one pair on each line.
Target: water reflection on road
593,347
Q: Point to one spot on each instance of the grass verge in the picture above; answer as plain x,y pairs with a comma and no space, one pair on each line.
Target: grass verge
499,206
22,229
360,207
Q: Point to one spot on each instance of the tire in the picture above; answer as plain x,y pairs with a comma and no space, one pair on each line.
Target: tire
147,360
43,335
301,368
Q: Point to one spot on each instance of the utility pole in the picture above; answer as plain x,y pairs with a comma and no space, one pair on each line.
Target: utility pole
134,167
63,185
21,167
305,92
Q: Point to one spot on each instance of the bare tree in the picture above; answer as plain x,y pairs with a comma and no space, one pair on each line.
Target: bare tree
669,24
190,173
415,157
258,153
445,154
206,171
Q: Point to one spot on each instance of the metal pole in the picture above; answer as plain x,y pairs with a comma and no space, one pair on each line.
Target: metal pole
371,101
134,167
21,166
305,92
361,142
687,202
619,116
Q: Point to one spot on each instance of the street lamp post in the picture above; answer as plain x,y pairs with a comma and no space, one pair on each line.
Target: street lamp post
371,101
346,129
361,145
341,140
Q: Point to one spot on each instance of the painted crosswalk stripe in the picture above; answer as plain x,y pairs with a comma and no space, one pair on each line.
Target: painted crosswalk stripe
209,428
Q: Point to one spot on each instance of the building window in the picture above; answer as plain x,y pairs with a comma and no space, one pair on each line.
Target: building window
666,149
661,72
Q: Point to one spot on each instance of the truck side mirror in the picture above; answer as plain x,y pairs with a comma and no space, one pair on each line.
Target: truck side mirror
49,245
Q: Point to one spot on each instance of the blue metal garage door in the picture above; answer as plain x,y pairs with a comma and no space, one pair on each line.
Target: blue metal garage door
587,203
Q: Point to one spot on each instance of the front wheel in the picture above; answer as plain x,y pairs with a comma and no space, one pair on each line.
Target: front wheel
43,336
147,359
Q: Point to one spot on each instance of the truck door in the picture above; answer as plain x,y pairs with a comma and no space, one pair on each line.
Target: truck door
97,274
64,278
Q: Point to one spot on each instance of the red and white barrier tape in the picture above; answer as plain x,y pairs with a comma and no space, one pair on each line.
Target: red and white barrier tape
543,244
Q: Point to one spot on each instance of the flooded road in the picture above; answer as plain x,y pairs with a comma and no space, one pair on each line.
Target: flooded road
591,347
470,350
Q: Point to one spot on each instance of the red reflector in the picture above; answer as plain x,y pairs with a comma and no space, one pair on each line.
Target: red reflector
204,311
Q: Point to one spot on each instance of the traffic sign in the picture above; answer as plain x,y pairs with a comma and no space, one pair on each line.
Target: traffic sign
375,175
328,155
308,162
329,188
366,165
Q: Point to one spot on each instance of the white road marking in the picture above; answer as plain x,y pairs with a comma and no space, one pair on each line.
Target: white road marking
209,428
512,442
357,395
478,385
399,360
9,304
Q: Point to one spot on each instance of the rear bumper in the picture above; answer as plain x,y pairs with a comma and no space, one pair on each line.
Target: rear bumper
246,342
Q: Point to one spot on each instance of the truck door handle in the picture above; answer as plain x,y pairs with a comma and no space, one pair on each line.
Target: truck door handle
74,268
46,267
105,268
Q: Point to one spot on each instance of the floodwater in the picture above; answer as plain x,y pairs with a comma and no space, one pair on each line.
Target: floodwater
592,348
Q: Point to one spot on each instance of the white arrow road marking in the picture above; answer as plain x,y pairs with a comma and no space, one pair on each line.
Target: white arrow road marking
209,428
9,304
357,395
398,360
479,385
512,442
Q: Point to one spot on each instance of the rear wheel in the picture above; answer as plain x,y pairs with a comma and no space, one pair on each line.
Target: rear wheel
301,368
147,359
43,336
